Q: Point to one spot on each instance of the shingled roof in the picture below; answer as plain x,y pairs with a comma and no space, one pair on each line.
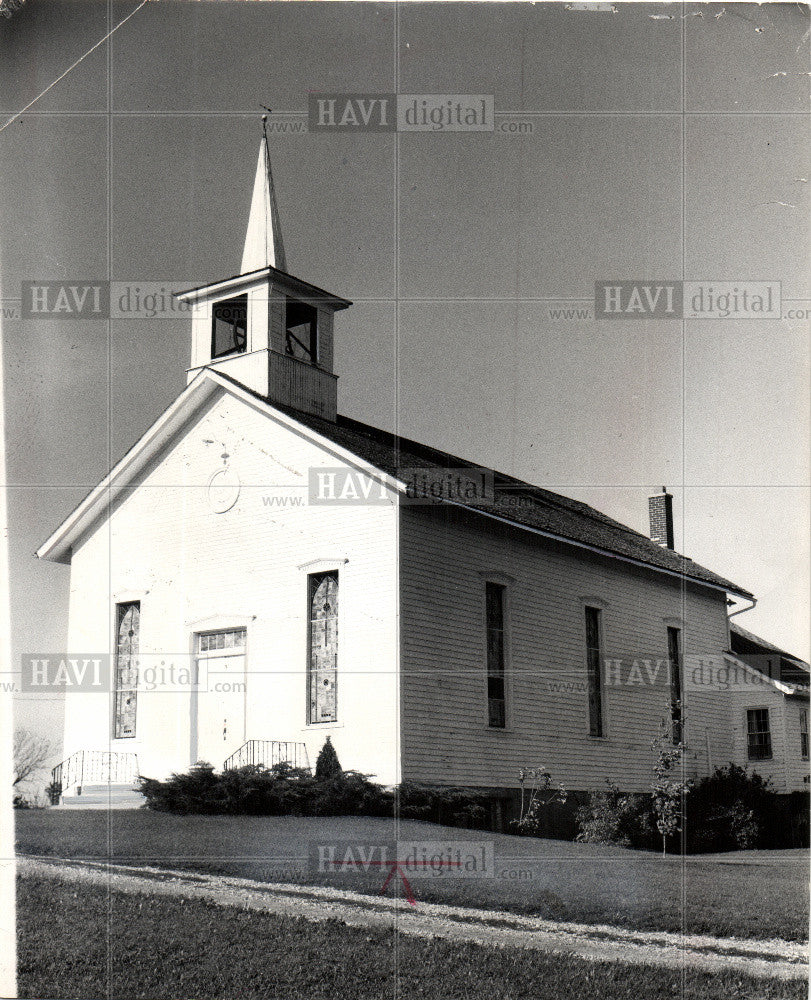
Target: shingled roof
747,642
539,509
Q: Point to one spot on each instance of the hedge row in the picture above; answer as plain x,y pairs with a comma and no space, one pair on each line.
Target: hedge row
284,790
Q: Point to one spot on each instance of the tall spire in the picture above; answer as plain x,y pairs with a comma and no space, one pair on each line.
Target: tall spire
263,240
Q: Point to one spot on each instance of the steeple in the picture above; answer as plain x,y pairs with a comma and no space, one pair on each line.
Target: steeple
264,327
263,240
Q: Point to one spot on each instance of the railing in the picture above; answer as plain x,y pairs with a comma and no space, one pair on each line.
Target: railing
267,753
93,767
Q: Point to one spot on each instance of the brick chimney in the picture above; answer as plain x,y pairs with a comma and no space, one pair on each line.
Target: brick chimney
660,509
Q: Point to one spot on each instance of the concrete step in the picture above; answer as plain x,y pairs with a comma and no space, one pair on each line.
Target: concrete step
102,797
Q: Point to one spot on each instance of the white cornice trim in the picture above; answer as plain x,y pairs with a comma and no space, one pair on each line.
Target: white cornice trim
594,601
214,623
497,576
227,285
322,565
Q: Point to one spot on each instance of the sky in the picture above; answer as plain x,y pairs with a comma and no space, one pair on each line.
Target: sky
665,142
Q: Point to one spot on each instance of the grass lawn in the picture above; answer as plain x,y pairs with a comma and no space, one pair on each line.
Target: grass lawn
212,952
765,897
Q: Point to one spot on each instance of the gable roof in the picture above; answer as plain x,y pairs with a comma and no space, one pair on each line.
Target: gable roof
786,687
748,642
57,547
541,511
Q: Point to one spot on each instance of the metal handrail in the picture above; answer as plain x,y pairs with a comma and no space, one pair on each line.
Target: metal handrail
267,754
89,767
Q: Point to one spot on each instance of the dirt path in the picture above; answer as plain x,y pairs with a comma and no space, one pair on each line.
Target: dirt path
774,959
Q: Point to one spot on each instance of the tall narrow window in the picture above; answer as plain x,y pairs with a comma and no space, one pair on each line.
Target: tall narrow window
322,679
594,660
758,734
229,327
128,627
804,733
301,331
496,686
674,660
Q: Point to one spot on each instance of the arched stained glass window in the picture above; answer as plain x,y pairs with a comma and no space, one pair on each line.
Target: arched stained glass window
128,629
322,680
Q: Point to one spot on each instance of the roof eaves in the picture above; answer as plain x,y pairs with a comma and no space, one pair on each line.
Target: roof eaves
57,546
781,686
719,584
224,283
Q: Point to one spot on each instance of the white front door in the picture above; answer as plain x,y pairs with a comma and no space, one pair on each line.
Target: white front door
221,695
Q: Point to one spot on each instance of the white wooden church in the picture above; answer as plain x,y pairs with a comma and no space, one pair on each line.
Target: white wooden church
260,576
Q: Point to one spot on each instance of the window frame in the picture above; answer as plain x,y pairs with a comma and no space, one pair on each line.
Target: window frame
217,651
121,609
503,589
600,674
676,678
314,580
804,734
234,351
768,732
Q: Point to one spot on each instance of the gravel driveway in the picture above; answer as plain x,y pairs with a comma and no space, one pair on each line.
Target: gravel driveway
773,958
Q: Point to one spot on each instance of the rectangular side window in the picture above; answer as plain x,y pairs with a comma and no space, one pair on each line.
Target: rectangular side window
322,655
125,701
496,679
674,661
804,733
758,734
594,659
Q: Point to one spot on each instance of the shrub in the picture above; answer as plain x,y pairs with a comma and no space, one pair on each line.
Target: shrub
669,787
612,817
53,791
437,804
288,791
541,793
197,791
349,794
731,809
282,790
327,765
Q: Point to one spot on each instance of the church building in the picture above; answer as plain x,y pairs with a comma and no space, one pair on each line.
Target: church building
263,573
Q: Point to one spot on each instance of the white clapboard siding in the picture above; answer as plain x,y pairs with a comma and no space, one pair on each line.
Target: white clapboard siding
797,767
444,555
786,769
193,569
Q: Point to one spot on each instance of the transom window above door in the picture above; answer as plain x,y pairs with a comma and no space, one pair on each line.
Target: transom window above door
228,640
